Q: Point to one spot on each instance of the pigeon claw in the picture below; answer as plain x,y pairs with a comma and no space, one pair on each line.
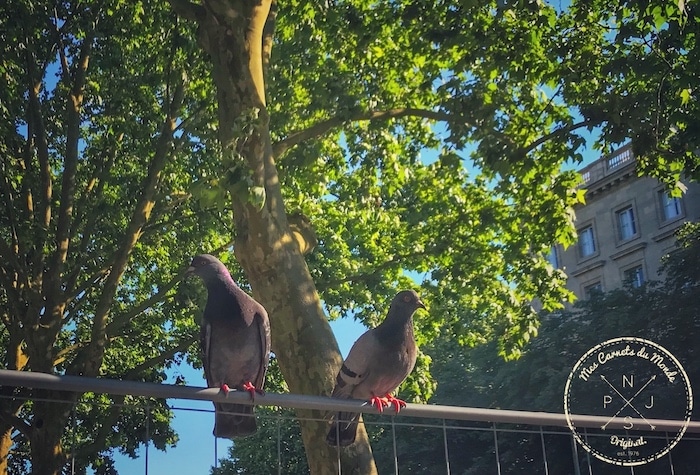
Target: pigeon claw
225,389
379,402
248,386
398,404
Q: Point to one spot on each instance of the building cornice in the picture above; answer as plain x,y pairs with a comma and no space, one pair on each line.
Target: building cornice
628,250
592,266
669,232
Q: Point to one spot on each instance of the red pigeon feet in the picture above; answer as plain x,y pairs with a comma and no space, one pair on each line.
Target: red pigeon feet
398,404
225,389
248,386
379,402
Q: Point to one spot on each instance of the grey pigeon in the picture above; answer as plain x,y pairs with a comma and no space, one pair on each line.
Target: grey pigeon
235,344
377,364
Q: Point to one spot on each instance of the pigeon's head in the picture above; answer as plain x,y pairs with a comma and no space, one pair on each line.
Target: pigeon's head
206,266
407,300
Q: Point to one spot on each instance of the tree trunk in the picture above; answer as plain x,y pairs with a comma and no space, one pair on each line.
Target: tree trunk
17,360
5,446
9,408
233,35
48,424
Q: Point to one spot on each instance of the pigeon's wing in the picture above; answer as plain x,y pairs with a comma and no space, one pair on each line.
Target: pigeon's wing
357,366
232,360
204,345
354,371
262,323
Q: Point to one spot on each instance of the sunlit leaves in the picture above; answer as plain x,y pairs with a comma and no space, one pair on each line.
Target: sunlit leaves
136,63
385,210
637,83
514,79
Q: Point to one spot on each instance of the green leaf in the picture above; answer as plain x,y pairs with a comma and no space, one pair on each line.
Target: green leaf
685,96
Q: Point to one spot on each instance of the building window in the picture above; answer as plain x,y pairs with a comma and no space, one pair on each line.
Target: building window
586,242
590,290
634,276
670,206
553,257
626,224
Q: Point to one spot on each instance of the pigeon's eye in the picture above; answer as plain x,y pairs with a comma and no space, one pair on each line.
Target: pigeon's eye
407,298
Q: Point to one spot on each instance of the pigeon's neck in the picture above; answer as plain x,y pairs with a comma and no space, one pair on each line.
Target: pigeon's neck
223,286
218,278
395,329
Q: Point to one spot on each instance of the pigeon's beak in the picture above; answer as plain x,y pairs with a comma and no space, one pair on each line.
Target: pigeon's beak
422,305
189,271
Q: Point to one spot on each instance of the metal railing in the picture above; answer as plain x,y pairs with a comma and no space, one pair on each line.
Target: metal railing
507,428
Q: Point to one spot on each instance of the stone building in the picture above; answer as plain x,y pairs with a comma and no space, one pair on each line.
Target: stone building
626,225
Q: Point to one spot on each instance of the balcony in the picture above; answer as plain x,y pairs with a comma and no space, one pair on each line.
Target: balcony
607,166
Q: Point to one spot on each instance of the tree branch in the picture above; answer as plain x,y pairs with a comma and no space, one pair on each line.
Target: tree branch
395,261
11,207
70,167
187,10
122,320
181,347
37,139
105,430
14,421
323,127
94,187
92,218
40,140
268,37
10,265
193,116
95,279
557,133
89,361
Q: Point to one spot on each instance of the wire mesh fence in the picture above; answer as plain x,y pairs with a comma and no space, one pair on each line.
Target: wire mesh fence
427,439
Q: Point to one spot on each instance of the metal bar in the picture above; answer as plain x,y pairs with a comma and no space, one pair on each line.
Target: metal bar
73,441
393,441
148,434
495,444
216,452
574,450
279,446
447,450
337,447
544,452
670,458
588,455
37,380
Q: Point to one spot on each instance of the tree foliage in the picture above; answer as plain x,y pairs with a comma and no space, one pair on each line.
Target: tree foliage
97,225
666,312
360,146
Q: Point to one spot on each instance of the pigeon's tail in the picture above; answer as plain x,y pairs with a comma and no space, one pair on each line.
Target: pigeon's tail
343,429
234,420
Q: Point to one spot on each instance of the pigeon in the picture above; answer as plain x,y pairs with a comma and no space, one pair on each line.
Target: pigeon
377,364
235,344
